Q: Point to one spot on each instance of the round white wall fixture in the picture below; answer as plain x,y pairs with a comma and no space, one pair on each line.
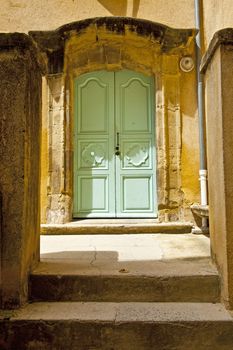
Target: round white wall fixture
186,64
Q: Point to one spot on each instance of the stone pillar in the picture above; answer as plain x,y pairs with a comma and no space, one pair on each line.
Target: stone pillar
58,211
218,69
169,134
20,125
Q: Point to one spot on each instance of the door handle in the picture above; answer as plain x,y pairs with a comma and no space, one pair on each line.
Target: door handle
117,148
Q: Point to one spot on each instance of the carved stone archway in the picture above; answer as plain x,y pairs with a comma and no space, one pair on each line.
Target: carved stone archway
112,43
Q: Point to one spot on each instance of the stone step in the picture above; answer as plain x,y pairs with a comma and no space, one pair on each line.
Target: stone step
117,326
115,226
183,280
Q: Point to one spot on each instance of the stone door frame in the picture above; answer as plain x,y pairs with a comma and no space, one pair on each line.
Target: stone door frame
112,44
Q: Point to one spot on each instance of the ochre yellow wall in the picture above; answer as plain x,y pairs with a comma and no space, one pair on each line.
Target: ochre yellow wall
190,139
26,15
218,14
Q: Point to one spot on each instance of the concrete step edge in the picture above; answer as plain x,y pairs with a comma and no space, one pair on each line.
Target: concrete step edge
120,312
118,326
120,289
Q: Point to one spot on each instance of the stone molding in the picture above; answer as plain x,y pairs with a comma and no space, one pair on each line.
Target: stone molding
221,37
52,43
21,41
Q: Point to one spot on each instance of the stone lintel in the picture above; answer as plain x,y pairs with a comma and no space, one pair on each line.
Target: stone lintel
167,37
221,37
53,42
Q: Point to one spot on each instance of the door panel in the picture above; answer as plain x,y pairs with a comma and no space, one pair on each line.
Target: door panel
94,163
114,109
135,99
94,113
137,153
93,154
87,186
135,165
136,193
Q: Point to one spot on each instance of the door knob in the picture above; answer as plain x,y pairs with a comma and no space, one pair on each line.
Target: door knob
117,149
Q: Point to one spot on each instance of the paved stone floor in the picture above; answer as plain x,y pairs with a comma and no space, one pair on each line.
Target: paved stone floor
133,247
136,254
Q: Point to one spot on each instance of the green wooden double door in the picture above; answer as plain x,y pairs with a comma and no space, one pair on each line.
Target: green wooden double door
114,153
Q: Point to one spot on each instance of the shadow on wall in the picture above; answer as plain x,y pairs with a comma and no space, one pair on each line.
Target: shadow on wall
119,7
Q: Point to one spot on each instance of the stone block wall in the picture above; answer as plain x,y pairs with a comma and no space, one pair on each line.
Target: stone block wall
218,70
20,124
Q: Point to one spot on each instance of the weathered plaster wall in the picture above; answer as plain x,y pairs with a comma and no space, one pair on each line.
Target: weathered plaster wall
20,113
219,97
25,15
217,14
190,140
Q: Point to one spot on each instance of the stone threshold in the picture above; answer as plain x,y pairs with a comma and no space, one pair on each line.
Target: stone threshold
114,226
